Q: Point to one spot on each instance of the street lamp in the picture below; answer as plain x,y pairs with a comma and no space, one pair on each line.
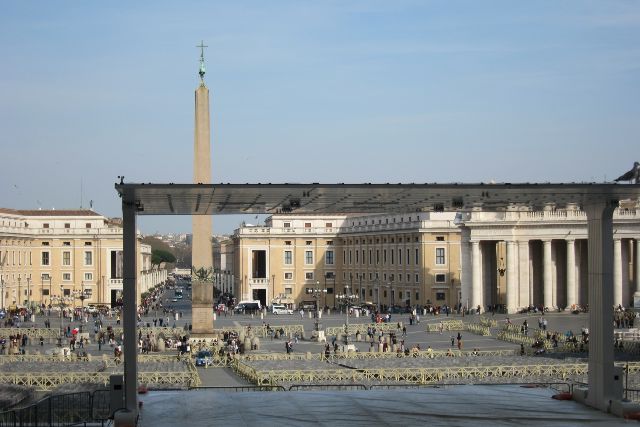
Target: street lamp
18,300
347,298
316,292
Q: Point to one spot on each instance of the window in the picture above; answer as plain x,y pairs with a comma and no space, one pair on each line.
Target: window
384,256
67,225
399,256
308,242
408,277
288,291
45,225
329,242
66,258
392,257
287,225
45,243
408,257
288,257
370,257
287,242
45,292
66,243
330,275
417,296
87,225
440,256
45,277
328,225
357,257
88,258
307,225
377,256
45,258
66,292
440,296
87,243
441,278
417,278
66,277
88,277
288,275
308,257
350,258
328,258
417,256
440,238
308,275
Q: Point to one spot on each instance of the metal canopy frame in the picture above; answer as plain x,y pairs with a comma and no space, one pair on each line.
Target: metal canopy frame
597,200
217,199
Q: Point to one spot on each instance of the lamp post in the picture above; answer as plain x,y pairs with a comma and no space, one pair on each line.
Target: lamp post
316,295
347,298
2,291
17,302
29,292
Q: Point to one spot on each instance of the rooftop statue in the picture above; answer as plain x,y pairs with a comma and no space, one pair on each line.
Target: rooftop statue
632,176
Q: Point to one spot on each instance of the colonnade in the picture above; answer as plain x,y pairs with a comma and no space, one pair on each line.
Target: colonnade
542,272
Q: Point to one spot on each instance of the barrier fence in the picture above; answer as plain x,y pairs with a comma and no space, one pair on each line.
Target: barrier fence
61,410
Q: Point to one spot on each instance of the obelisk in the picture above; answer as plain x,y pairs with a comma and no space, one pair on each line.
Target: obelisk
201,252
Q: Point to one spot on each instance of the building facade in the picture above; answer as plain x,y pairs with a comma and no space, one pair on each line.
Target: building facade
76,254
385,260
517,259
509,260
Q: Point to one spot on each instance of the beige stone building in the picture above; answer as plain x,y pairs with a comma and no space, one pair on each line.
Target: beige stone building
45,254
406,259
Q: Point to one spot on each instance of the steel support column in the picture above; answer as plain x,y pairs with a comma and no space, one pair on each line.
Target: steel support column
600,253
129,309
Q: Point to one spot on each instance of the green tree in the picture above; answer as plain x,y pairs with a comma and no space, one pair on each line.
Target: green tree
158,256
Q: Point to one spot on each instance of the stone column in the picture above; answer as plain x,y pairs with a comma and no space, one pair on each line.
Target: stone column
466,275
636,275
617,272
523,271
512,288
201,251
476,280
547,274
571,273
600,255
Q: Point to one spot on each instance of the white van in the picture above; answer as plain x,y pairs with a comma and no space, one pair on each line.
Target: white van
280,309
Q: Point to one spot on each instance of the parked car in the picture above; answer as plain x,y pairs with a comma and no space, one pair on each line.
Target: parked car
204,358
280,309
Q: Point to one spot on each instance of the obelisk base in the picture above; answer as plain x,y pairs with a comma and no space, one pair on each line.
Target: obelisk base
201,308
201,319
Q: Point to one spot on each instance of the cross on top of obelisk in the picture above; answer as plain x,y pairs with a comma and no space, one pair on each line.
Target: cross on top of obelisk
202,69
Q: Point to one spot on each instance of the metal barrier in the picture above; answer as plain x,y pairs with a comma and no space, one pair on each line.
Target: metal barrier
45,381
32,333
61,410
327,387
485,321
477,328
446,325
242,388
362,328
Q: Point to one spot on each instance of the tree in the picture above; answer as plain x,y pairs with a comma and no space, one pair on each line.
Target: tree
158,256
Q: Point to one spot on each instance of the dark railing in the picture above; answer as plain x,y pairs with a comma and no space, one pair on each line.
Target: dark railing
241,388
327,387
61,410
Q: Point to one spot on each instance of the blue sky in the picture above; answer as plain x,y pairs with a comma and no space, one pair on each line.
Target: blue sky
302,91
